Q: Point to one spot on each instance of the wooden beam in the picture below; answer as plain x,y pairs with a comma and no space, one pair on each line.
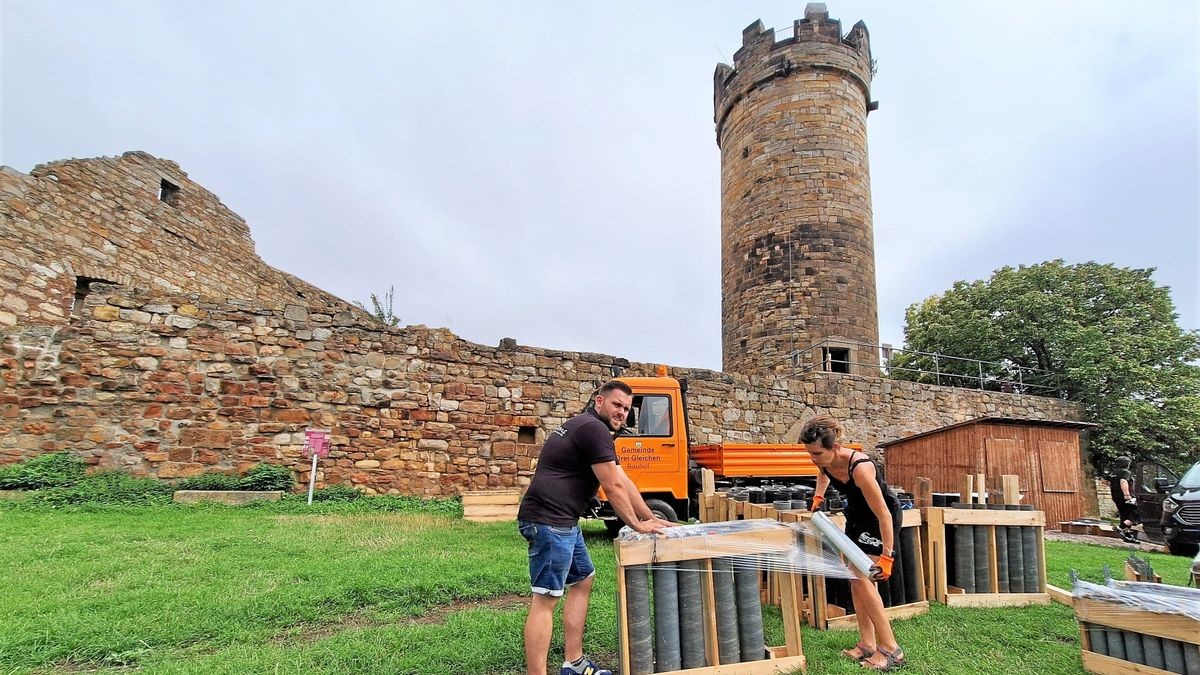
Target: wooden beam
1171,626
1107,665
981,489
967,491
1011,487
1061,596
987,517
924,493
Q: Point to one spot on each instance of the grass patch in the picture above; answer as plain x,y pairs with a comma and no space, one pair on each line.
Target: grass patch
345,587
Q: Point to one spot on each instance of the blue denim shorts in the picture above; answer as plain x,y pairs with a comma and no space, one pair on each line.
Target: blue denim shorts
557,557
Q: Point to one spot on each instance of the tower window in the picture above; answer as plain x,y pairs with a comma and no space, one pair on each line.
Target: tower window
835,359
168,192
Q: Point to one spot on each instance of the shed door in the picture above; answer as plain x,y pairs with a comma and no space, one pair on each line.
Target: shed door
1007,456
1060,467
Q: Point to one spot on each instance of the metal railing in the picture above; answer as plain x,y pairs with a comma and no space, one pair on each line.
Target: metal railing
925,367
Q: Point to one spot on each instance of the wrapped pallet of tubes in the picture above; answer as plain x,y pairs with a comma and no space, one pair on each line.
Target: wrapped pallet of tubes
688,599
986,554
827,603
1140,569
1138,627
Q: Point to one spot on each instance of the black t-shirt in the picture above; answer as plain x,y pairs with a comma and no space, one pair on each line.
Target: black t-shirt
858,511
1114,484
563,483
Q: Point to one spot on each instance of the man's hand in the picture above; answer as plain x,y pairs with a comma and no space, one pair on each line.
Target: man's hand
882,569
666,523
649,526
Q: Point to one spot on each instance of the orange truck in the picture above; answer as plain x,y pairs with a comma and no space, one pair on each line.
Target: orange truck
655,451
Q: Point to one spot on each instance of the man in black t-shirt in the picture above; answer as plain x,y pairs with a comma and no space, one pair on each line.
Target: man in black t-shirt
576,460
1120,485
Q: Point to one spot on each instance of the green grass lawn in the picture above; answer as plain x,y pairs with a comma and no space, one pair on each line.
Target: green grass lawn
224,590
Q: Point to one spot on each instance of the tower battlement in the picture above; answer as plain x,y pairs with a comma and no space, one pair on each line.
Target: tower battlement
816,43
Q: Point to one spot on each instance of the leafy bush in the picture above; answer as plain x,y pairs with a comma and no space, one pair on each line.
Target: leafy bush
337,493
268,477
210,481
59,469
107,487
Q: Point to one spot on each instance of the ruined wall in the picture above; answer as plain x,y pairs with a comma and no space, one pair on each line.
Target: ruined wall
109,218
171,385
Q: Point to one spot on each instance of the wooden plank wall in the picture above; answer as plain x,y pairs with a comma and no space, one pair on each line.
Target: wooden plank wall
1047,460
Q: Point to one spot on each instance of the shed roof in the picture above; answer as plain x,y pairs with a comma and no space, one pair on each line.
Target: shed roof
1015,421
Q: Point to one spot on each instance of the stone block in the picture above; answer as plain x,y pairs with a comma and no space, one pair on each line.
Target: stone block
231,497
106,313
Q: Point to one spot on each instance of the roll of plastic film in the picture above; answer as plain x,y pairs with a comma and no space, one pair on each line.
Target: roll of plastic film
666,618
641,635
842,544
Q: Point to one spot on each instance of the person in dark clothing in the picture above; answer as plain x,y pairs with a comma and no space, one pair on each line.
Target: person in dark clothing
1120,484
578,458
872,522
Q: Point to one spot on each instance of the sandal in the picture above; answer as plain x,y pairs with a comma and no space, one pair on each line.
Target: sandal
895,660
865,652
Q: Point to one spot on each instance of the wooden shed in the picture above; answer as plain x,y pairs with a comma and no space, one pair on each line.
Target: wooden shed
1045,454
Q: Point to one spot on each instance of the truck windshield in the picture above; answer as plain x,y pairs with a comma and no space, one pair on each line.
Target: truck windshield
1191,479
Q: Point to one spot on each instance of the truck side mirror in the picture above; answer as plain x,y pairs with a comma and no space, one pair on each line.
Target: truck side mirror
1162,484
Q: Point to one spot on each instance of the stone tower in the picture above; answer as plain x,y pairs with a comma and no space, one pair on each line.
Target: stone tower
797,245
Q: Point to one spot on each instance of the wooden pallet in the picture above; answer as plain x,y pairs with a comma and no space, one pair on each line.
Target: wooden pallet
786,658
489,506
1111,615
937,518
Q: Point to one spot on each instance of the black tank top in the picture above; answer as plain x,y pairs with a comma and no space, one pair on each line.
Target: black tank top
857,508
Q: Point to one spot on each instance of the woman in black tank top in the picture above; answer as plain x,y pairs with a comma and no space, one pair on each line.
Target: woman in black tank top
872,522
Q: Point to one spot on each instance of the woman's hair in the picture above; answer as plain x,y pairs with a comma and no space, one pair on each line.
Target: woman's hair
823,429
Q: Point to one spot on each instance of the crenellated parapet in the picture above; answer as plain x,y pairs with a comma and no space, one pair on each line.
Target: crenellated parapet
816,44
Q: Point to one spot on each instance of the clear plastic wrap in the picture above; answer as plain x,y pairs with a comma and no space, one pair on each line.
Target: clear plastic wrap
1154,625
1158,598
763,544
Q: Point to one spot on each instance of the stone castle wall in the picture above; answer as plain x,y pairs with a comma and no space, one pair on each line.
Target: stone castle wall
172,385
797,240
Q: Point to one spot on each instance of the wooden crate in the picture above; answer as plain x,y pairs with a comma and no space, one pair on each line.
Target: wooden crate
817,610
488,506
938,518
786,658
1120,617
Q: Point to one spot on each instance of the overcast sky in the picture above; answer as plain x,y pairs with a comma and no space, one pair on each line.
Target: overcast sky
548,171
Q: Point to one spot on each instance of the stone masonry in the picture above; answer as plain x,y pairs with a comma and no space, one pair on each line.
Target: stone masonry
797,244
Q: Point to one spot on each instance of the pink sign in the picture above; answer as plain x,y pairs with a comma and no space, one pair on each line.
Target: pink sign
316,441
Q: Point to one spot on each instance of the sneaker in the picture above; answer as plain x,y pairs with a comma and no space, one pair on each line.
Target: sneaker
589,667
1129,536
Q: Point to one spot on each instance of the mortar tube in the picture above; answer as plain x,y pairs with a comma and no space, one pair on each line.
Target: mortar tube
983,556
1133,647
1096,637
908,540
1173,656
1029,566
666,618
1116,642
691,615
1191,658
1016,558
751,645
641,636
1152,650
964,553
896,582
725,600
1001,553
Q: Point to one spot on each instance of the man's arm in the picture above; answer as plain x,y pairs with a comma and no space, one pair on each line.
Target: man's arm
625,499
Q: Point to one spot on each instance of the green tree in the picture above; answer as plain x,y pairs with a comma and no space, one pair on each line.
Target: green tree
381,309
1106,336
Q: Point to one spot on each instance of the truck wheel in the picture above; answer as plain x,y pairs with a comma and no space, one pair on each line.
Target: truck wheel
662,510
1176,548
